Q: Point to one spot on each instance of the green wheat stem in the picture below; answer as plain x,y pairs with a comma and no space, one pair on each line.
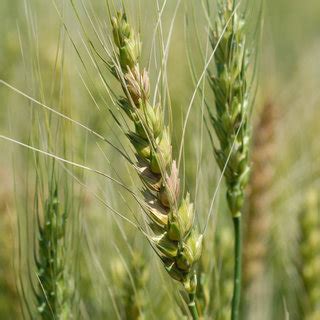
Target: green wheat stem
192,306
237,267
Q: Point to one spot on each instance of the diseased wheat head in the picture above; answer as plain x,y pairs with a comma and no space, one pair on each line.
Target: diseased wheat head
170,218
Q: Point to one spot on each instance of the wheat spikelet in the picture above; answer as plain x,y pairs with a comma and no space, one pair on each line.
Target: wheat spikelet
310,256
258,213
171,220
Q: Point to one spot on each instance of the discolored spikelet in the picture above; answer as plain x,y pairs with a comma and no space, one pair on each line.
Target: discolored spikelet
170,219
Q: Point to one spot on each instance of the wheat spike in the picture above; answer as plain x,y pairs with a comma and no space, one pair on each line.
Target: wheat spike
229,84
232,91
55,289
170,218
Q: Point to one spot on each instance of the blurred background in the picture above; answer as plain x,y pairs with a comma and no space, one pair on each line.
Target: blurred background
286,156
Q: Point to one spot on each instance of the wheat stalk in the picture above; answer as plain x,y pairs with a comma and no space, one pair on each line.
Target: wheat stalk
171,220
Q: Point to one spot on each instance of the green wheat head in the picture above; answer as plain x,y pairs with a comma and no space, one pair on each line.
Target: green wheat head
55,285
229,84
